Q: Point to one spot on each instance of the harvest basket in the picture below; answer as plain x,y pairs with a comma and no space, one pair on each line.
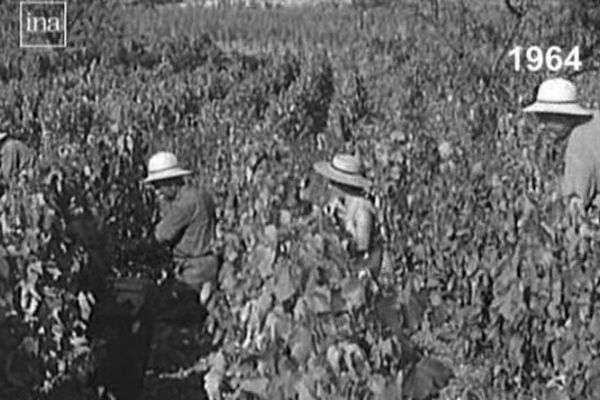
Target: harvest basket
125,297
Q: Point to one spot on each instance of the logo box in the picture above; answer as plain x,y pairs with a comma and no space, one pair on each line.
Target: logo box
43,24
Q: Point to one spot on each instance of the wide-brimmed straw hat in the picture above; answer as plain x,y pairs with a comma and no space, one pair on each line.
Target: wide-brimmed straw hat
345,169
164,165
557,96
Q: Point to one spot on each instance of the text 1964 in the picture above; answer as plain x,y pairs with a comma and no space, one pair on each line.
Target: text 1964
553,58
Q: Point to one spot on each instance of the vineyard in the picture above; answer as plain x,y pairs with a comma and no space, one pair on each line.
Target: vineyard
488,289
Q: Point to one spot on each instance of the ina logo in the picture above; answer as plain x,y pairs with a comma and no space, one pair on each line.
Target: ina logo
43,24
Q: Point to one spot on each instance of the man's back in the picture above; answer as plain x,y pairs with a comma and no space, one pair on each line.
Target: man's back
189,223
582,161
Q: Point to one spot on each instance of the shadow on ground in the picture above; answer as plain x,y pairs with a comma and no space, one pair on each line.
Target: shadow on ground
170,374
175,350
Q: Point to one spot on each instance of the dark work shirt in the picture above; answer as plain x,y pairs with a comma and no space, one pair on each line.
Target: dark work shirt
188,224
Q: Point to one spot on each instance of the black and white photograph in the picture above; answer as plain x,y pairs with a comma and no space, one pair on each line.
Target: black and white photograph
299,199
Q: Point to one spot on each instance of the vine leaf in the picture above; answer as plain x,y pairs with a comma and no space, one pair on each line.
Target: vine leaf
505,304
593,378
413,311
333,357
319,300
353,292
214,378
4,268
271,235
303,391
257,386
572,357
86,301
426,379
302,346
263,305
284,288
388,313
378,384
263,258
385,389
353,356
595,326
278,324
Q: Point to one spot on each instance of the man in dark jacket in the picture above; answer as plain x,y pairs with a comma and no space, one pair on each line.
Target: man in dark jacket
188,227
188,224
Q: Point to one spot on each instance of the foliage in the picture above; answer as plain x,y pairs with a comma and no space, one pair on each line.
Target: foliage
486,290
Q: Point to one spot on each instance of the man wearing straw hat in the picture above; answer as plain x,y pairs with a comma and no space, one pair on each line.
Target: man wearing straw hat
350,205
188,223
557,107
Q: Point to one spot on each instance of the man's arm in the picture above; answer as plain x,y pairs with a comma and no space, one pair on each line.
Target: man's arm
578,183
174,222
364,223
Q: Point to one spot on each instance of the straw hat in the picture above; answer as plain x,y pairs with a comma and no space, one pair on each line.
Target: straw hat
557,96
345,169
164,165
